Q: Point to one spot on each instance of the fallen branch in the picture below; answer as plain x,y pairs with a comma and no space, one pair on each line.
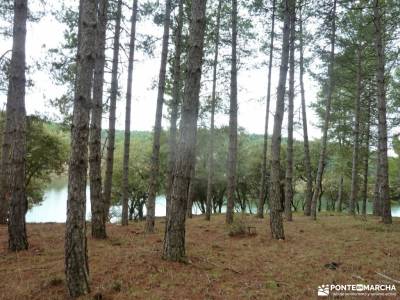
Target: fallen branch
387,277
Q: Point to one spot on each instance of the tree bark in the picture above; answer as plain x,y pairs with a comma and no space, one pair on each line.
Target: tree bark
322,155
377,205
289,156
263,184
174,240
233,108
356,134
276,208
307,159
96,200
191,193
16,133
210,176
366,161
155,157
76,259
340,194
176,95
382,122
113,107
127,141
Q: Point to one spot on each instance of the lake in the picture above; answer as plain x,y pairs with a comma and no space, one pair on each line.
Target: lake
54,205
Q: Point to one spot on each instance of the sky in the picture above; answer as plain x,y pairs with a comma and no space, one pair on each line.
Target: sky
252,81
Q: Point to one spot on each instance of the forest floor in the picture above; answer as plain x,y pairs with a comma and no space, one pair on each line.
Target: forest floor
335,249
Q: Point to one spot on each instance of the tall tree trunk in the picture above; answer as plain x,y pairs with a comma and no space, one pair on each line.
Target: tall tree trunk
155,157
377,205
4,175
289,156
210,176
76,259
340,194
96,200
382,122
233,107
263,184
176,95
276,196
356,134
307,159
191,193
113,108
174,240
366,160
127,141
322,155
16,133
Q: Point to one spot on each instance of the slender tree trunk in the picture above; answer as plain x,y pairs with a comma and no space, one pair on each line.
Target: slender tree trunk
382,122
340,194
16,133
307,159
176,95
356,134
263,184
174,240
366,160
289,158
322,155
97,203
155,157
4,169
210,177
377,205
276,208
76,259
112,116
125,167
191,193
232,153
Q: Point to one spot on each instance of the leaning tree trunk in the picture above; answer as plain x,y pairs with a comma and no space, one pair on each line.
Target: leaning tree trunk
382,122
176,94
76,259
356,134
113,107
155,157
16,133
174,240
232,153
322,155
210,176
366,160
97,204
125,166
307,158
263,183
289,156
276,208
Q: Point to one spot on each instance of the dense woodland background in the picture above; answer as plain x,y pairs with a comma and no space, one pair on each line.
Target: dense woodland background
350,48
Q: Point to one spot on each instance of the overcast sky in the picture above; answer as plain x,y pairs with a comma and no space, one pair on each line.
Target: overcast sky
48,33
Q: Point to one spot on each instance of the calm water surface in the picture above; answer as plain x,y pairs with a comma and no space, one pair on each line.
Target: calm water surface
54,205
